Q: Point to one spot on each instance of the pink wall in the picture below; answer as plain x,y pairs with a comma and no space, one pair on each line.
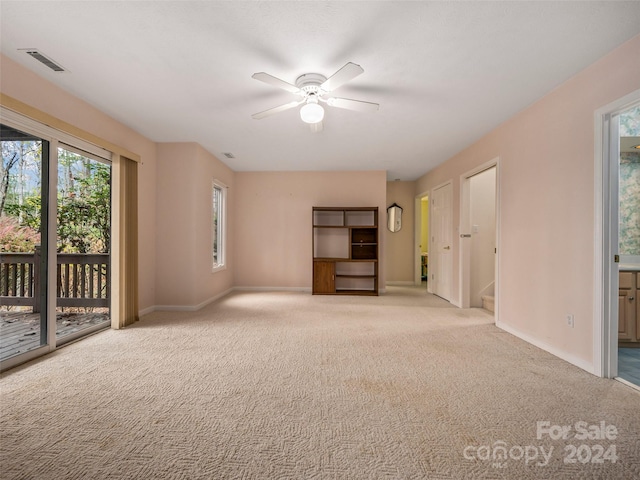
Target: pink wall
546,199
400,246
273,221
174,206
24,85
185,175
546,182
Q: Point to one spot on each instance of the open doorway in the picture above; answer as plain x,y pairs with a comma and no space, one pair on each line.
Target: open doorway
478,237
424,242
613,269
629,246
433,267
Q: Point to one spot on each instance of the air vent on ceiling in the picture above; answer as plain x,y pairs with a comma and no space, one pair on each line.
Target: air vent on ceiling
44,59
229,155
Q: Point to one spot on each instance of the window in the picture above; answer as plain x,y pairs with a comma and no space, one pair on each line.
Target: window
218,225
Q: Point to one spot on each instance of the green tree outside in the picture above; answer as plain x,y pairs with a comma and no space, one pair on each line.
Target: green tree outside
83,196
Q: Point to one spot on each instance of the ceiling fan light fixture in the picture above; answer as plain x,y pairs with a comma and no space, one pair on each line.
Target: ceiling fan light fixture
311,87
312,112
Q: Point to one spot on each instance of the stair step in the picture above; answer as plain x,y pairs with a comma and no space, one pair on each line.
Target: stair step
488,302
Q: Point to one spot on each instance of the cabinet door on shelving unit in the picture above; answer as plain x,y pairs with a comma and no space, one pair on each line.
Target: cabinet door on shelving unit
627,307
626,315
324,277
637,307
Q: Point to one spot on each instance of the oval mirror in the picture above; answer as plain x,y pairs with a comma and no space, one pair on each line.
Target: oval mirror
394,218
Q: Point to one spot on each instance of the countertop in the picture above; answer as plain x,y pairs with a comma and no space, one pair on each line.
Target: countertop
629,267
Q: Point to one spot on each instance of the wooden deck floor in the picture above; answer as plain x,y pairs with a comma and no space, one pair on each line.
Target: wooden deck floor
20,331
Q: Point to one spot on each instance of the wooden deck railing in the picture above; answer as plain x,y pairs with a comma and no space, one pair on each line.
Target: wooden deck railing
17,275
82,280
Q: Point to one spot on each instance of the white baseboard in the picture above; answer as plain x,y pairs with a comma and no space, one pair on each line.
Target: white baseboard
567,357
272,289
185,308
193,308
147,311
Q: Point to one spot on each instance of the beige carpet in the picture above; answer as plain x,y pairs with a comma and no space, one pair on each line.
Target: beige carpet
289,385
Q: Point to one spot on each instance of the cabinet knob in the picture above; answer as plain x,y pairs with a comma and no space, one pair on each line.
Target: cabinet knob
631,299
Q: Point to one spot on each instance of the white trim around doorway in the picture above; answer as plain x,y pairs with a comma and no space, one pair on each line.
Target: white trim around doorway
463,250
605,307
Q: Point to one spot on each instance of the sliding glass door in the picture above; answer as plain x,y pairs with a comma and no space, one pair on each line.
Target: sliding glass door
24,193
83,230
55,239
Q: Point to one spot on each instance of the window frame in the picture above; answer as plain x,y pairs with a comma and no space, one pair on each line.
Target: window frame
219,230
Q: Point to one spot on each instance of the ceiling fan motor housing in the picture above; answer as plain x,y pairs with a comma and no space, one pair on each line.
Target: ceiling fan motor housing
309,83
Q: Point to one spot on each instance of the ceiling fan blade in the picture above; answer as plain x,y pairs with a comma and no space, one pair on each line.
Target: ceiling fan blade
276,82
357,105
342,76
271,111
316,127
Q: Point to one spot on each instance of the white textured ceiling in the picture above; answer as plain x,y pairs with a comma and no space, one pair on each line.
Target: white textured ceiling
444,73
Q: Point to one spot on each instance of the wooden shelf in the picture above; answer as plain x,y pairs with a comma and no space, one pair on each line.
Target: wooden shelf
355,292
355,276
345,250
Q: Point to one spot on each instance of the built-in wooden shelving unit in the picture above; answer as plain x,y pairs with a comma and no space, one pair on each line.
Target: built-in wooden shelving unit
345,251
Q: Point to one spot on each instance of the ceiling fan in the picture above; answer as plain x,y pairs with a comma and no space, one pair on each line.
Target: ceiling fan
313,87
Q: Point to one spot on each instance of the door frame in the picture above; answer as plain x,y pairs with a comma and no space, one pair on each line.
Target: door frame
55,138
417,262
464,249
606,162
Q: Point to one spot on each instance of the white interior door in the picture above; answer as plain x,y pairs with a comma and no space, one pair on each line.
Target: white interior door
440,256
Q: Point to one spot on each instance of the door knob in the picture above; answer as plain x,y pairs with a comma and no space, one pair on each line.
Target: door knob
447,247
